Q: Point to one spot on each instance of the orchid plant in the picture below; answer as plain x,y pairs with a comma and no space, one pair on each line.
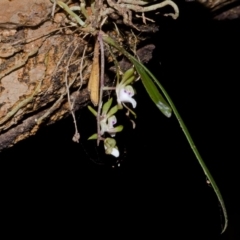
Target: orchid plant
106,118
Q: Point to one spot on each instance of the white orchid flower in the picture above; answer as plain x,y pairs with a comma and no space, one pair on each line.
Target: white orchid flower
125,94
124,90
107,125
111,121
107,119
110,147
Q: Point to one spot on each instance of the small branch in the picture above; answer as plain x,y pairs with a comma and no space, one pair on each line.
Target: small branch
53,8
80,75
81,67
101,84
76,136
109,88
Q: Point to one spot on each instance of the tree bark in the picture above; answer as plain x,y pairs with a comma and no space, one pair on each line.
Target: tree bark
37,60
221,9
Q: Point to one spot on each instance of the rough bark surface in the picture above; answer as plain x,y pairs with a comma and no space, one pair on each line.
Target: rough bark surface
36,60
33,66
221,9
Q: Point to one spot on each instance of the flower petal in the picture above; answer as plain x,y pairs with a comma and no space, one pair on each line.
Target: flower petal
111,121
112,151
115,152
125,95
110,147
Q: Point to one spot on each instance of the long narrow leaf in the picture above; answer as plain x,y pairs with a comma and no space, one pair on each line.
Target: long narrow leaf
92,111
146,74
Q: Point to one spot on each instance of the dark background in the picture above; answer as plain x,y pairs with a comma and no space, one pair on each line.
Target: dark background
160,189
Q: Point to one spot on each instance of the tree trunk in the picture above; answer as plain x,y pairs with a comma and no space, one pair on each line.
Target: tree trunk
40,60
36,63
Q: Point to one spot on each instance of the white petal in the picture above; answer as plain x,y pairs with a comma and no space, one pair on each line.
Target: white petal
125,96
115,152
111,121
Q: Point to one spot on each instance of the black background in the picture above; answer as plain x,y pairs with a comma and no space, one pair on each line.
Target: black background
160,189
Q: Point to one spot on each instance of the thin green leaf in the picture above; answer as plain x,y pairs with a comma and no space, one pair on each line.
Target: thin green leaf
128,81
111,42
93,137
92,111
112,111
194,148
128,74
106,106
